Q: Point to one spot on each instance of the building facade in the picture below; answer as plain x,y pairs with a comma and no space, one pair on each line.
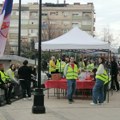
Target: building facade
57,19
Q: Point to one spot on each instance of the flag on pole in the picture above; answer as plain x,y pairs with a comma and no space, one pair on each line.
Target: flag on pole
5,24
1,18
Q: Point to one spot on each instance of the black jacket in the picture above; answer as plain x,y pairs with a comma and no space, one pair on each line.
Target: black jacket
24,72
114,68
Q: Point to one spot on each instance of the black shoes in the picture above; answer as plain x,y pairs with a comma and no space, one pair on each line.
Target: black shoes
8,102
70,101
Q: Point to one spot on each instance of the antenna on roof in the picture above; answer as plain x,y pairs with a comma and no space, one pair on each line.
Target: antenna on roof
64,1
57,1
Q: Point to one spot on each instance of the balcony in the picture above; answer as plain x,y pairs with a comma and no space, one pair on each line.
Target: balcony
86,27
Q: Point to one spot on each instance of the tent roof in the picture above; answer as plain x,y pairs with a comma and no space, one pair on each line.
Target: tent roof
74,39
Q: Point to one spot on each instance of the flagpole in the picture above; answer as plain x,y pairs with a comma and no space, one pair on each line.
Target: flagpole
38,105
19,29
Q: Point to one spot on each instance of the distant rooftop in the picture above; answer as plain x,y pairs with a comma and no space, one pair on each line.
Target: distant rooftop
55,5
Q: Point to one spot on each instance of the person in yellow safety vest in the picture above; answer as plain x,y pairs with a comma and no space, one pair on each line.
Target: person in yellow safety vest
81,65
11,74
90,66
4,83
71,74
52,66
101,79
61,66
12,80
57,63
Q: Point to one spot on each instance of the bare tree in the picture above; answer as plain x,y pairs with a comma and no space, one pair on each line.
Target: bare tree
107,35
50,30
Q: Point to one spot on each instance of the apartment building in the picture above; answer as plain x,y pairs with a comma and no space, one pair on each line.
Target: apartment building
56,20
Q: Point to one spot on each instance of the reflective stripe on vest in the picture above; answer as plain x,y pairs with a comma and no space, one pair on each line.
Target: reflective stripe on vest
104,77
72,73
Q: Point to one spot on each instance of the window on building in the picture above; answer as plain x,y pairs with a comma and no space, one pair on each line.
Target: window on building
14,23
24,14
76,24
33,22
65,30
77,14
65,14
87,15
24,21
14,13
66,23
52,13
86,22
32,31
34,14
44,25
35,31
53,22
44,14
13,30
24,32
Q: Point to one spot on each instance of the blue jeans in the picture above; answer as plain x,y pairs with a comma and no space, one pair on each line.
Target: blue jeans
98,92
71,86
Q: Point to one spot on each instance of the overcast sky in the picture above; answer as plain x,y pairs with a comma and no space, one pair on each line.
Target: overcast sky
107,13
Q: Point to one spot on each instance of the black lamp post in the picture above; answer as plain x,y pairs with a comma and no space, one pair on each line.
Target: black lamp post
19,29
38,103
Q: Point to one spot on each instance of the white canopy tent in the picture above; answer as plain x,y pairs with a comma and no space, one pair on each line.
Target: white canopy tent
74,39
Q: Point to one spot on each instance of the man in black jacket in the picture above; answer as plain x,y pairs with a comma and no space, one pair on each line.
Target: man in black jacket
114,73
24,73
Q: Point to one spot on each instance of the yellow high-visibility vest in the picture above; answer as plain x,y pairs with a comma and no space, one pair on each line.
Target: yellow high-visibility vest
72,73
3,77
57,64
61,66
52,66
82,65
104,77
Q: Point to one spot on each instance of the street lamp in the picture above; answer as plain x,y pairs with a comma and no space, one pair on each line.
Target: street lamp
19,29
38,103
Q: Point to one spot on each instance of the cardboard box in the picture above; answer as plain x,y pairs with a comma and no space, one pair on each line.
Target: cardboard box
56,76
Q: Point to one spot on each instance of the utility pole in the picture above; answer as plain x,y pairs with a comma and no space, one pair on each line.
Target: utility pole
38,105
19,29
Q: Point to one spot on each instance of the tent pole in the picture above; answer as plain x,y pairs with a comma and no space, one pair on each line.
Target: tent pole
109,64
60,59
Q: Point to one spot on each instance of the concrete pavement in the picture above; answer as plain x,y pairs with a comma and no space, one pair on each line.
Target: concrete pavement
59,109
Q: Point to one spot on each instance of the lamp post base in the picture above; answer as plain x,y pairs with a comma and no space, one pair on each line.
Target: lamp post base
38,105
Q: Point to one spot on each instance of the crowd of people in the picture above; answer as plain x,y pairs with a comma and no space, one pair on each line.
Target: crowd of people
101,70
18,79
